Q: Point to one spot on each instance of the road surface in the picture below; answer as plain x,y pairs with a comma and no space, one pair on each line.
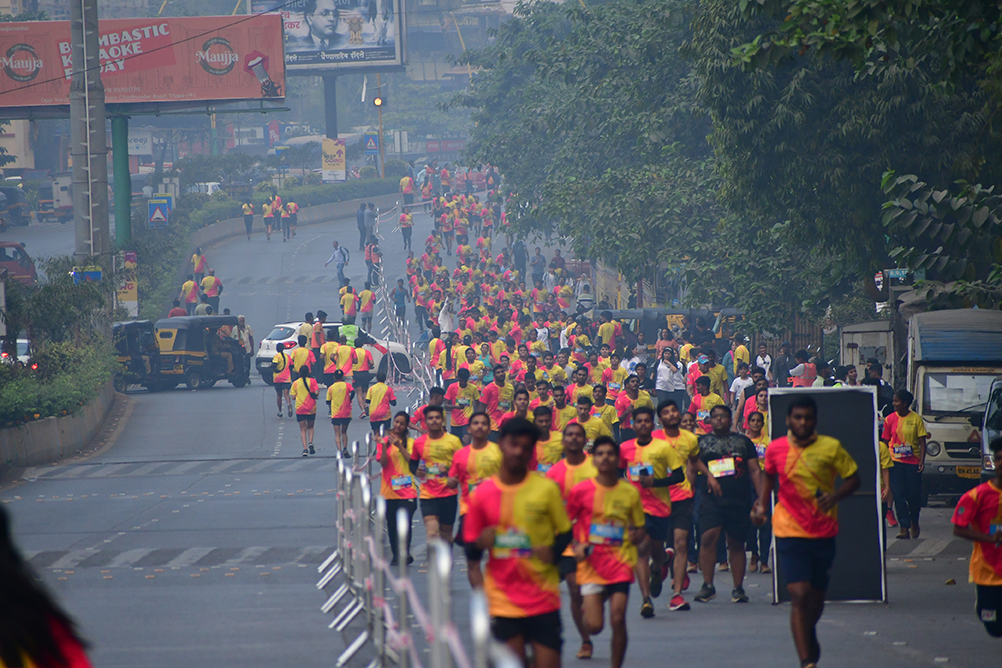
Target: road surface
190,534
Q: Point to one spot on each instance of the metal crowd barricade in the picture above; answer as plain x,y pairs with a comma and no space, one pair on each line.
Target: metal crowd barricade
364,587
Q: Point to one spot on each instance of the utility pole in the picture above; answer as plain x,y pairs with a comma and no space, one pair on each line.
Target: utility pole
330,105
88,140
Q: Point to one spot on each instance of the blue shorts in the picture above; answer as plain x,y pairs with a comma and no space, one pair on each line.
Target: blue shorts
806,560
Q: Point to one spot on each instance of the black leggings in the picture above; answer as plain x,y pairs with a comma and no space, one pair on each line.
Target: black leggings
392,505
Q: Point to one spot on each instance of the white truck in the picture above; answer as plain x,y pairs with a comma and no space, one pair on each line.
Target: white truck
953,358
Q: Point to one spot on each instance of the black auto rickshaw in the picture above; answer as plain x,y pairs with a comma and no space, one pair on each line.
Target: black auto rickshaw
138,355
199,351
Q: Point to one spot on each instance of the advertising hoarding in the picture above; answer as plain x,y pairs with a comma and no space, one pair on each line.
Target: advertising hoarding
158,60
334,167
338,35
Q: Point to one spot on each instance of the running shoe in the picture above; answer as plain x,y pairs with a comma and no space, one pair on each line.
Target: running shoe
312,451
915,531
765,569
706,593
903,534
306,453
656,583
685,582
892,521
678,603
586,650
739,595
726,566
753,565
647,609
290,411
279,413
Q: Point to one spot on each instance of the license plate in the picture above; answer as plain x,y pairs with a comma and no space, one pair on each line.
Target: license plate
969,472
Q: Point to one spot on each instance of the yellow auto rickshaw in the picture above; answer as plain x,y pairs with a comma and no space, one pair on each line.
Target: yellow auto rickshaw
199,351
138,355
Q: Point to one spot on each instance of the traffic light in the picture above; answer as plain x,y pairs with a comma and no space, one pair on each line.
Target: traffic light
379,101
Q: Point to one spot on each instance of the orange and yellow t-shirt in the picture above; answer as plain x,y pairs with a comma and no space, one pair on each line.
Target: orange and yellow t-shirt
527,515
437,455
801,472
396,481
379,397
283,370
300,357
567,476
902,435
602,518
365,299
658,459
685,444
470,467
349,303
548,452
562,417
463,398
981,510
300,391
497,401
339,398
613,380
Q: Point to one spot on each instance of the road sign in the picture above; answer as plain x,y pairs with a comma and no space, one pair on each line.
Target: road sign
371,142
896,273
160,210
90,274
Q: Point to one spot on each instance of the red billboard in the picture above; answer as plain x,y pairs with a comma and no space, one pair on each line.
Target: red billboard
154,60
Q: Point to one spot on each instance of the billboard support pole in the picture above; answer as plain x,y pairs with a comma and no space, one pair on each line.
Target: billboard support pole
88,140
330,105
123,180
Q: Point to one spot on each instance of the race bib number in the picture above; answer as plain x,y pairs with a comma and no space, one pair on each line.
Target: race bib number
400,482
435,470
640,469
614,386
504,405
606,534
721,467
994,529
511,544
989,615
463,402
543,468
702,416
903,450
760,449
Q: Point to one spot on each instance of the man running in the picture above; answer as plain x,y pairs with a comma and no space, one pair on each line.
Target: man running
685,444
727,460
431,460
802,467
549,445
653,467
460,399
378,400
978,518
608,525
497,398
520,521
593,426
339,396
473,464
306,392
575,467
905,435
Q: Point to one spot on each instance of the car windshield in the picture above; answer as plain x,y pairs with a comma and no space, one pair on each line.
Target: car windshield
280,333
22,348
956,392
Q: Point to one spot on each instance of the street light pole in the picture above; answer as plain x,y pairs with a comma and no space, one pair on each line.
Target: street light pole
382,149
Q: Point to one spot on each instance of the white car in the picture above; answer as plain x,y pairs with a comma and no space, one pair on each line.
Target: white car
288,333
23,353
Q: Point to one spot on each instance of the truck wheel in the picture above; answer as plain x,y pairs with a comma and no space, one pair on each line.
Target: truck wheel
208,383
120,385
268,378
193,380
239,381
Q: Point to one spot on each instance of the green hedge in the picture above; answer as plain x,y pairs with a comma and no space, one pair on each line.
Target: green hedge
222,209
68,376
